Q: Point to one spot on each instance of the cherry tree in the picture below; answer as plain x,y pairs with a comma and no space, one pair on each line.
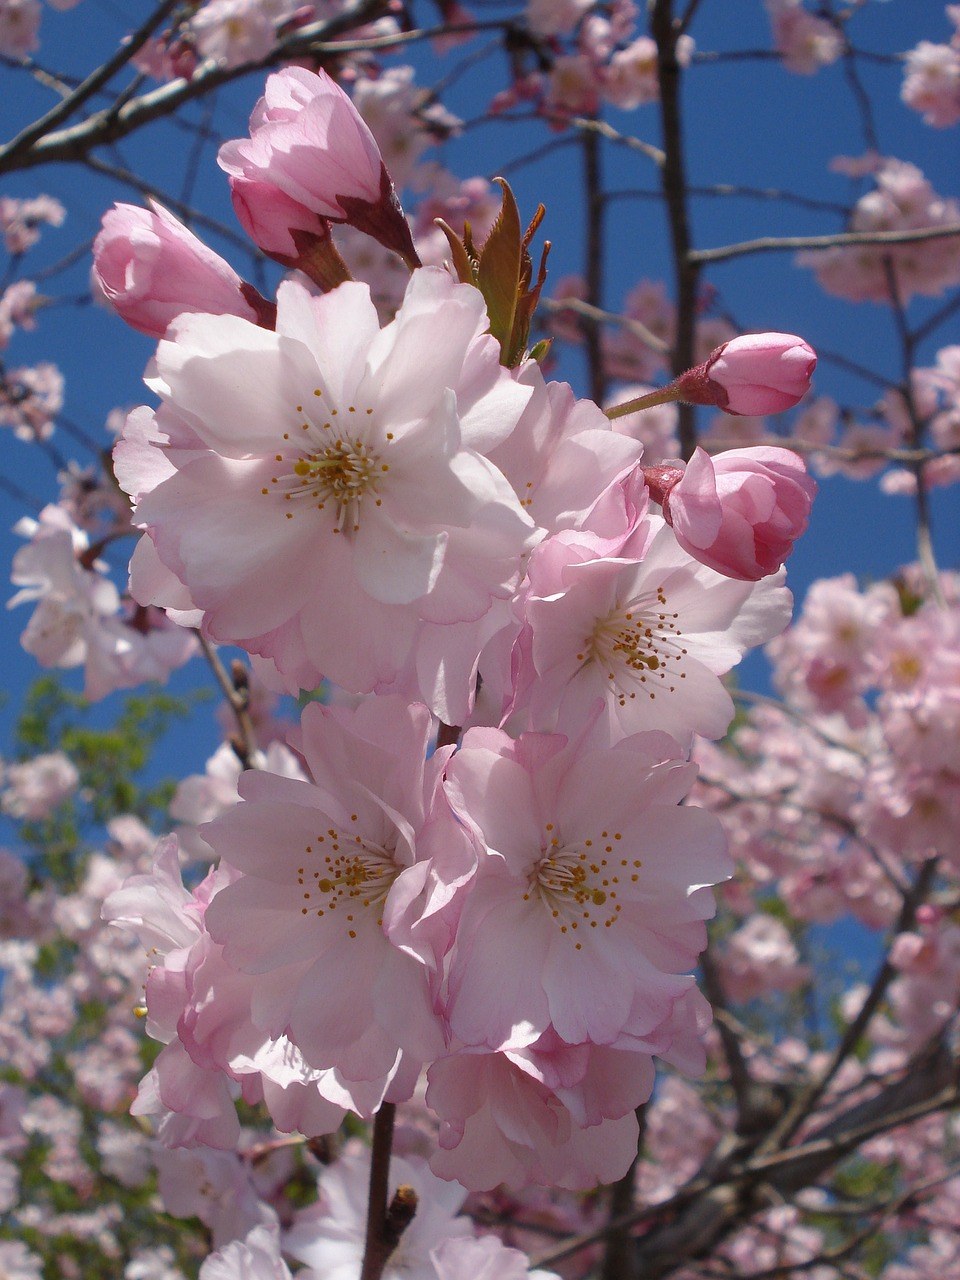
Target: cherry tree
506,932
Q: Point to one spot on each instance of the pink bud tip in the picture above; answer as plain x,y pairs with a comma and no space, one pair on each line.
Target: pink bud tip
740,512
754,374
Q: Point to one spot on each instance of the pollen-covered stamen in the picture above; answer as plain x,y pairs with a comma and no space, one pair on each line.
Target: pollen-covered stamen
579,883
342,473
328,466
639,645
347,874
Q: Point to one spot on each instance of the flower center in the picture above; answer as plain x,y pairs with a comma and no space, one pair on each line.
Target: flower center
345,873
579,883
329,467
641,645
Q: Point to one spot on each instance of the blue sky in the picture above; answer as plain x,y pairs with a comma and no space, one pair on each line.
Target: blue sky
747,122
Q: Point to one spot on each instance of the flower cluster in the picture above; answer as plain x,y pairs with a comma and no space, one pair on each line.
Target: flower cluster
410,511
902,200
931,82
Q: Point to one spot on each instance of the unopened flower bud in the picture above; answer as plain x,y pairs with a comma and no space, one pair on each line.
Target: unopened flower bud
151,269
754,374
311,146
738,513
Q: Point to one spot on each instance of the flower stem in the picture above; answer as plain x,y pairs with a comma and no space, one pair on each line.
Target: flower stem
378,1246
663,395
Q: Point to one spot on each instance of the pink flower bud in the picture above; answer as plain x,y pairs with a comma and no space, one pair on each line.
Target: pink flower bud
151,269
740,512
310,144
753,374
270,218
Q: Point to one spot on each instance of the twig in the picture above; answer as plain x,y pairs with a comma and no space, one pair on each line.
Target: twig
809,1097
318,40
589,125
376,1250
237,694
674,181
184,211
618,1260
781,244
740,1079
738,191
599,316
593,250
87,88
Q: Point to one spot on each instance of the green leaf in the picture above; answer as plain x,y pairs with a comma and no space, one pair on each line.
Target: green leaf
499,268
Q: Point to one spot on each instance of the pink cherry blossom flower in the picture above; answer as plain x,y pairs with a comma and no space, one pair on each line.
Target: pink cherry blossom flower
931,83
235,31
201,1010
573,88
739,512
644,636
78,621
902,200
760,957
590,895
753,374
151,268
348,878
400,117
805,41
20,220
631,79
30,400
256,1257
278,224
17,1261
518,1116
562,455
19,27
214,1186
317,522
32,790
309,142
483,1258
18,306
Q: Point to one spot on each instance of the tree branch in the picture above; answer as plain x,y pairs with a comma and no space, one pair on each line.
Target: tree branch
87,88
780,244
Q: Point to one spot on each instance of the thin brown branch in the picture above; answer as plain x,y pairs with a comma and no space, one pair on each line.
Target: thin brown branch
738,191
665,31
87,88
237,693
378,1245
185,211
618,1259
317,40
587,124
596,314
721,1198
741,1082
782,244
804,1104
593,251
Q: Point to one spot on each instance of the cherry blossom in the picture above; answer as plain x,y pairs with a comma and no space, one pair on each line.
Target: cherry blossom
357,936
646,637
310,144
344,503
740,512
151,268
581,917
